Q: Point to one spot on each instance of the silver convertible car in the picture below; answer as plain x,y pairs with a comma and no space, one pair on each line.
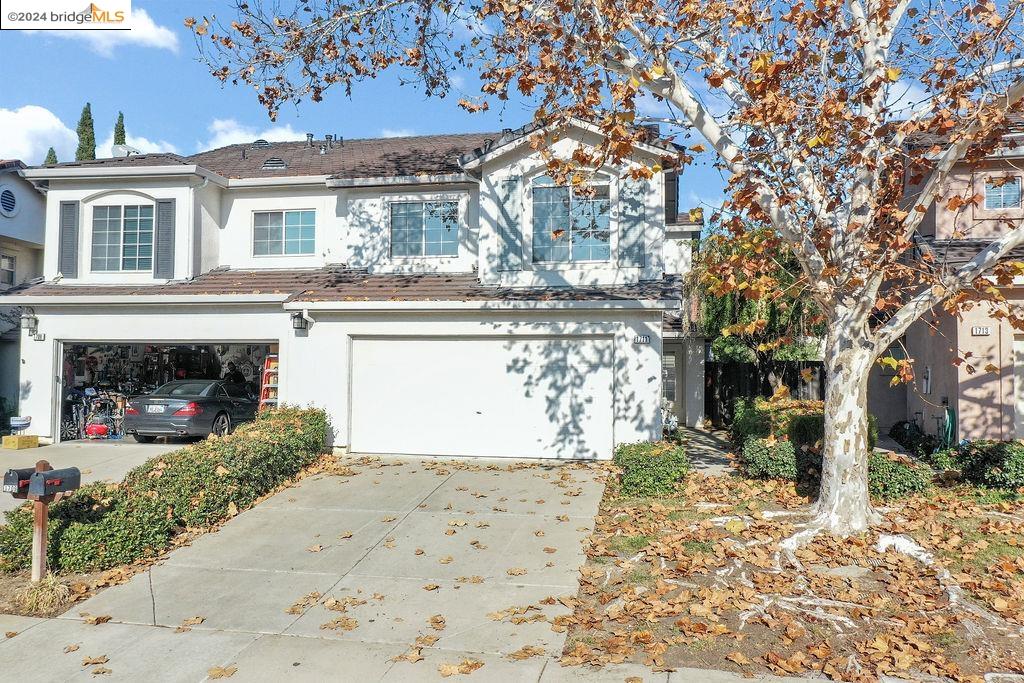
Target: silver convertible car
189,407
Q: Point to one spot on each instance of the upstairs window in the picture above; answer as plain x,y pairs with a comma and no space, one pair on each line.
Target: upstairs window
6,270
284,233
122,237
424,228
570,224
1002,193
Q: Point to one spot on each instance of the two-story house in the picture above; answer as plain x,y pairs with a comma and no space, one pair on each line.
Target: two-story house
985,388
21,259
437,295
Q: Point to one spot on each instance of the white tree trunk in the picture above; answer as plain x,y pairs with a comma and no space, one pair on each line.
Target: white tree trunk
843,506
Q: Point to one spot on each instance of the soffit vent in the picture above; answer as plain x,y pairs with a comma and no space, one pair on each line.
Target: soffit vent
274,163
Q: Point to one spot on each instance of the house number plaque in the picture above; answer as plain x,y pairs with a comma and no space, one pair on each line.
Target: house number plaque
642,339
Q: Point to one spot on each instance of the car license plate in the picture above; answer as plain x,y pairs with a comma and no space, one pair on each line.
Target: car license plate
154,409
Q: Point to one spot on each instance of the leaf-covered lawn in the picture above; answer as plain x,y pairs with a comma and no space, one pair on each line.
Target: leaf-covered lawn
697,579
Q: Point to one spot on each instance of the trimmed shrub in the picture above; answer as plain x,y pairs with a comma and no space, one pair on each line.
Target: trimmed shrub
651,468
750,421
769,459
892,476
913,440
996,464
105,525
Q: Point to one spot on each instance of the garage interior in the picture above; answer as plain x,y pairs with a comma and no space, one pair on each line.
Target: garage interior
98,378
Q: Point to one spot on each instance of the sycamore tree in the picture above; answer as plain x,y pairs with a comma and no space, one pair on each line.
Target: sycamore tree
837,123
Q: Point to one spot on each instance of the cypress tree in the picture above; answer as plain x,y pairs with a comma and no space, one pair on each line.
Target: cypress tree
86,136
119,129
51,156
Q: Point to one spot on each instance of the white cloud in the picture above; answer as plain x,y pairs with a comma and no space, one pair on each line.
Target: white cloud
30,130
144,145
225,132
396,132
905,96
144,33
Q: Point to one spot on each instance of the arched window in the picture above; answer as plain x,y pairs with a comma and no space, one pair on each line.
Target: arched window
570,224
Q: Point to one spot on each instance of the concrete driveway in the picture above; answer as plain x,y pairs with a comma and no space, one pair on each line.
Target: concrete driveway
98,460
339,575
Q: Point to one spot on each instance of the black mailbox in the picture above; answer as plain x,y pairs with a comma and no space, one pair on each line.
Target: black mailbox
50,482
16,482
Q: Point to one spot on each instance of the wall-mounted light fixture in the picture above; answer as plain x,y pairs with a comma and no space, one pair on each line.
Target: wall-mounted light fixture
299,321
29,322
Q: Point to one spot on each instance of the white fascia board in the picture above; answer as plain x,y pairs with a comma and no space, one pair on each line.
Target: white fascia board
524,138
143,299
276,182
116,172
420,305
384,181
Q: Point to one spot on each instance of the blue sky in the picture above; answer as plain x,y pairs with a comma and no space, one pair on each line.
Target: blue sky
171,102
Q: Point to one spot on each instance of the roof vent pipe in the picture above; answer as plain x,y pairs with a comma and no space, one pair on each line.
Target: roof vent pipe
309,139
330,140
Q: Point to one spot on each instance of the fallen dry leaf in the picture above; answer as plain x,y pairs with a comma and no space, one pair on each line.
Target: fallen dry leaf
738,657
549,550
188,623
70,648
315,548
526,651
516,571
100,671
341,623
431,587
466,666
307,600
11,634
437,622
222,672
447,559
346,535
93,661
95,620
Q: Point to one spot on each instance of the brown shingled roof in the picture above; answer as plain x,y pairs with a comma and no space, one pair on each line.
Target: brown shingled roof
361,158
344,284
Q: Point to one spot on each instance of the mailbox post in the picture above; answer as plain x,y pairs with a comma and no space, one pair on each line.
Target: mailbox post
42,485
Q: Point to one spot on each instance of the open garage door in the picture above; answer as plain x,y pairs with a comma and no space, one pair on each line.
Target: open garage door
545,397
98,379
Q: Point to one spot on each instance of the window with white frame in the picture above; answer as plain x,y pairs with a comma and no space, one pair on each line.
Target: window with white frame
1002,193
122,237
570,224
6,269
424,228
283,233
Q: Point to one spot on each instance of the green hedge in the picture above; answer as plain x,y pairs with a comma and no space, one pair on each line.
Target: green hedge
769,459
105,525
892,476
651,468
802,422
997,464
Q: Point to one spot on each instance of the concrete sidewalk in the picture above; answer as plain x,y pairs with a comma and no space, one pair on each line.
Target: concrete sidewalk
98,460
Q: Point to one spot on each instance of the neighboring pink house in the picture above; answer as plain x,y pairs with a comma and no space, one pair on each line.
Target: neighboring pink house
988,405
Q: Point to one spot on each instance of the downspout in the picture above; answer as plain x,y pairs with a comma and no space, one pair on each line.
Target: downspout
307,317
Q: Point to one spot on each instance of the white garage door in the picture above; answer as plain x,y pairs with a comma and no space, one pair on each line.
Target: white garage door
527,398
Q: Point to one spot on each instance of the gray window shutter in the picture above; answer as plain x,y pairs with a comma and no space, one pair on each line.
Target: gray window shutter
632,223
163,249
67,248
671,197
510,225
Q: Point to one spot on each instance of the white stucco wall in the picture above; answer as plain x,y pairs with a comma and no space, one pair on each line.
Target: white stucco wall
27,223
527,164
109,192
315,363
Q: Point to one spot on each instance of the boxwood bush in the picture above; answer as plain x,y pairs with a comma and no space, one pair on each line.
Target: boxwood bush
892,476
769,459
105,525
996,464
802,422
651,468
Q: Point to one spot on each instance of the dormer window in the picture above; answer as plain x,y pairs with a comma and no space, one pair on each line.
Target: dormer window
1002,193
570,224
